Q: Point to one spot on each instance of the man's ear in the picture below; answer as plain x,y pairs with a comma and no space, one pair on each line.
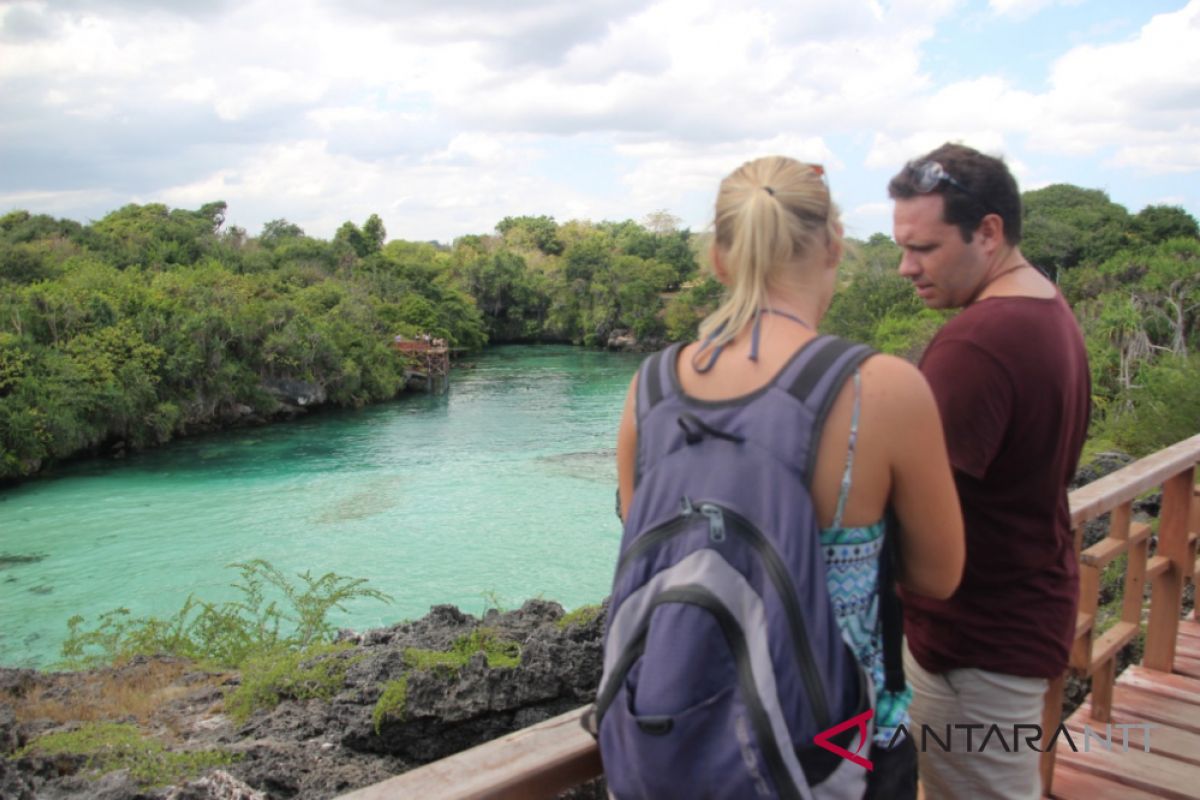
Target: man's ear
991,231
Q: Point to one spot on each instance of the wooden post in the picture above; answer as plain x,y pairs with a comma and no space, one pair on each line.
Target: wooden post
1051,719
1167,593
1089,598
1135,575
1102,690
1194,538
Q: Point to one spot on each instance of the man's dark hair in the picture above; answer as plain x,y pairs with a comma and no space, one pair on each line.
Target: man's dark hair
978,185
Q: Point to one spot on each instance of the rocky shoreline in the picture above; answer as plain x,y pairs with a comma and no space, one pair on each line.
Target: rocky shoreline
321,748
307,748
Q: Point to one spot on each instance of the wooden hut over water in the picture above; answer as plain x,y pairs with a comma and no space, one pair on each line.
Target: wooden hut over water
429,361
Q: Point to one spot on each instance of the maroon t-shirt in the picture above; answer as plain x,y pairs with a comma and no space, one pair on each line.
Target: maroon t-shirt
1010,376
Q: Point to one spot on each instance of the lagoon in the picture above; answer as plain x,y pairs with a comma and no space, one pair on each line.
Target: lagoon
498,491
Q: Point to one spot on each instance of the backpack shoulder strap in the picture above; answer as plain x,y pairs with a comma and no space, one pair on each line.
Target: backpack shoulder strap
816,376
654,379
655,383
815,381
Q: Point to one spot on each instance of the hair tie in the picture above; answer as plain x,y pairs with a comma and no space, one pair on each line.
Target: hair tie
769,190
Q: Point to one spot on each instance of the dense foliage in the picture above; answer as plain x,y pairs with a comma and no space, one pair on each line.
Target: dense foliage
153,322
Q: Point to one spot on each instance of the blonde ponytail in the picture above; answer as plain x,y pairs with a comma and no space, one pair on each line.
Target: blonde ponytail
770,212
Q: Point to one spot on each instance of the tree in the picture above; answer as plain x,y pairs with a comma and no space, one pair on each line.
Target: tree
1154,224
662,222
277,230
874,304
589,256
374,233
1065,226
529,233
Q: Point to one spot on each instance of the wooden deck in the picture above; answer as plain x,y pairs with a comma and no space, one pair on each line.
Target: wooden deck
1170,702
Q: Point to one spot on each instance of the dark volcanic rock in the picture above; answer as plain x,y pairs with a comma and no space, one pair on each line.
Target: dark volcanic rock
1102,464
319,749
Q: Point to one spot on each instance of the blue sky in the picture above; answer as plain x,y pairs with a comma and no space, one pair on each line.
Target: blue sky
444,116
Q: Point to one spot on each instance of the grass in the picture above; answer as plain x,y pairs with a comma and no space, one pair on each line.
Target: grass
110,746
136,691
317,671
500,653
391,703
583,615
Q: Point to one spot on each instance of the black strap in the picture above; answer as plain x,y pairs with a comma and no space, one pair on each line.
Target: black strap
695,429
652,374
831,349
891,612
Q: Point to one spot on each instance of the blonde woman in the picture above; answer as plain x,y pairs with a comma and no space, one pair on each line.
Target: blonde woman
778,241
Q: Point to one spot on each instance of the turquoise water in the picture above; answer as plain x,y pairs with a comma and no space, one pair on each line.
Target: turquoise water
498,491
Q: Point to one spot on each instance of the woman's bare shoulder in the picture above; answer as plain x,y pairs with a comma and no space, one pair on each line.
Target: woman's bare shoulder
893,372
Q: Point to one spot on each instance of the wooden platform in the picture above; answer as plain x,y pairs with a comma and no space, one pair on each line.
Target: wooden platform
1168,702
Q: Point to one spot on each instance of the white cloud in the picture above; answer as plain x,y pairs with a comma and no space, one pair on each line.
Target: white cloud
863,220
1140,96
1179,156
64,203
665,169
435,198
97,48
451,114
1022,9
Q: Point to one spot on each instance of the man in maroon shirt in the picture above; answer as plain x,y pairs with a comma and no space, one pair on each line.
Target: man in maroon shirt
1010,376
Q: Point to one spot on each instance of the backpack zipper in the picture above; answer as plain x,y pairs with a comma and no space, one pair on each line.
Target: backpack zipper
720,520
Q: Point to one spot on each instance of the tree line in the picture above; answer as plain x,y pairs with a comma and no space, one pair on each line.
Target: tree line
152,322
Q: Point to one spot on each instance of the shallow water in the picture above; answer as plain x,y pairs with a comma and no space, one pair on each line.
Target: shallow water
496,492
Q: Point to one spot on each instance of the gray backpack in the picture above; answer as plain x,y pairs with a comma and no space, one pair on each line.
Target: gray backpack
725,672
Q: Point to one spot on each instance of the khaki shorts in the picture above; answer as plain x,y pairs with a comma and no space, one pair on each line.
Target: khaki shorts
966,762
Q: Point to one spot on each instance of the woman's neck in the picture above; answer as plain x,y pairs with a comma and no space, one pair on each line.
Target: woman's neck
802,303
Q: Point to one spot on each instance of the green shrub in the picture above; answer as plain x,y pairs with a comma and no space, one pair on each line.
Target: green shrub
1164,407
112,746
318,671
225,634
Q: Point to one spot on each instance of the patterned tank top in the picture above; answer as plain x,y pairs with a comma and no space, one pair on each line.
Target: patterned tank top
852,565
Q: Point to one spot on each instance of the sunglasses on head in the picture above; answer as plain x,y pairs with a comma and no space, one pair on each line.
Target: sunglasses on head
929,175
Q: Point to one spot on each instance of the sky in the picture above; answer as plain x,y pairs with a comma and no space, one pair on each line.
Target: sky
445,116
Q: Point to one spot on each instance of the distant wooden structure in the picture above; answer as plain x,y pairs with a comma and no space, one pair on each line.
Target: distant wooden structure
429,359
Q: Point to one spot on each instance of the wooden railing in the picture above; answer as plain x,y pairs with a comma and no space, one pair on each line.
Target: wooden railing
1173,564
545,759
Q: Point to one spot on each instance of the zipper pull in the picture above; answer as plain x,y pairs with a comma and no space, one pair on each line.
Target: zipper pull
685,507
716,522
